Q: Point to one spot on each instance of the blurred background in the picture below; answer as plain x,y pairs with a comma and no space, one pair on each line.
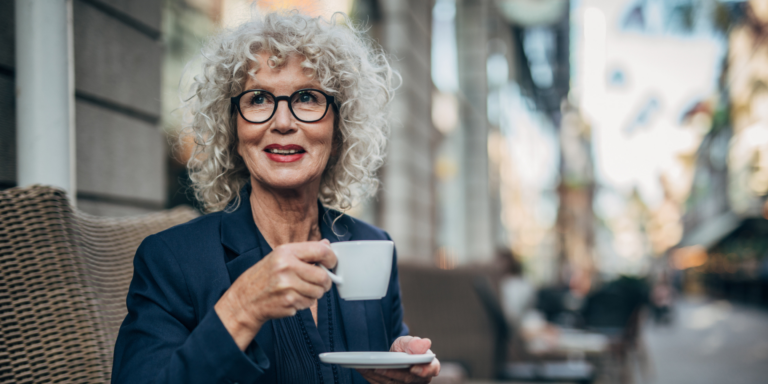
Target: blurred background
577,189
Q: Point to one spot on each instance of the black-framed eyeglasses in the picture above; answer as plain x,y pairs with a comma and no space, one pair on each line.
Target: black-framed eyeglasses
258,106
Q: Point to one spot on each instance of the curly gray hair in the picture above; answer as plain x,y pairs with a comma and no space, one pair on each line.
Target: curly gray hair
348,66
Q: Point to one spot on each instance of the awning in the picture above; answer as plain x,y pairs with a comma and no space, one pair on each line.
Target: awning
529,13
710,232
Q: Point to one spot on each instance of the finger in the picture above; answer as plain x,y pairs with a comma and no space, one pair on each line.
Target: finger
400,344
393,374
399,375
427,370
330,261
366,373
297,300
371,377
418,346
313,252
312,274
411,344
294,283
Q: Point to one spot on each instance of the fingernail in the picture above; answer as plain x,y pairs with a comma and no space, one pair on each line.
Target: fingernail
417,370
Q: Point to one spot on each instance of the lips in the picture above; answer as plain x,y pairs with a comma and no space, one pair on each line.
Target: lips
284,153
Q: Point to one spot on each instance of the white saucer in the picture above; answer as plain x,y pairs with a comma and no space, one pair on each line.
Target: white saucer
387,360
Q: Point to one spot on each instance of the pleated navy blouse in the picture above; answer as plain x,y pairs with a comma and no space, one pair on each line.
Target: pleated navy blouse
298,342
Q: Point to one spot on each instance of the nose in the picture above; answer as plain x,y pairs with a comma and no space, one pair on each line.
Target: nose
283,121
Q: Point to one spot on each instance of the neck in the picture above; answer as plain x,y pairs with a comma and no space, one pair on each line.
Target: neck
285,216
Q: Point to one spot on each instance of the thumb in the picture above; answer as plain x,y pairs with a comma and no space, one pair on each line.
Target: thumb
418,346
400,344
411,345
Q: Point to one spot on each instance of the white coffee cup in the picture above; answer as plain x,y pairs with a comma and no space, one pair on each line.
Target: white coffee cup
363,268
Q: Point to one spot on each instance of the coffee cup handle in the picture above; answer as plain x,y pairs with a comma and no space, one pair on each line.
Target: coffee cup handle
336,279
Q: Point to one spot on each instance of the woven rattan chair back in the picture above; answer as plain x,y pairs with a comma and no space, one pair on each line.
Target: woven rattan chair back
49,330
64,276
107,245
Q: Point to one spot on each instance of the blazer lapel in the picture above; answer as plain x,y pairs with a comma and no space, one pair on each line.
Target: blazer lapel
353,313
240,237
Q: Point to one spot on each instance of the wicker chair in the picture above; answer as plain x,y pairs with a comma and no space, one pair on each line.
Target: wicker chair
460,311
64,276
443,306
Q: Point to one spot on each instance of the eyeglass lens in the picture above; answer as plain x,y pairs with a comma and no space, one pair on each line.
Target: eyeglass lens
307,105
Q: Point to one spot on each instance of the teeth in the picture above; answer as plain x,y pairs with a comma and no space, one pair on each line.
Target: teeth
283,151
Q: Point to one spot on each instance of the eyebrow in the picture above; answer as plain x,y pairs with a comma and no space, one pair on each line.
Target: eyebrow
272,89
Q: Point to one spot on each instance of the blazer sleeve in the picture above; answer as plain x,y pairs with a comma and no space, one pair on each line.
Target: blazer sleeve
397,326
161,341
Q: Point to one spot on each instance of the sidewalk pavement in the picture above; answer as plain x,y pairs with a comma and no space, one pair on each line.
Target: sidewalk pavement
709,341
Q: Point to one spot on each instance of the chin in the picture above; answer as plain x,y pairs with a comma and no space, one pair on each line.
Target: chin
287,182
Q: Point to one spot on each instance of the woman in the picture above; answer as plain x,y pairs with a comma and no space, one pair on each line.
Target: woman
287,118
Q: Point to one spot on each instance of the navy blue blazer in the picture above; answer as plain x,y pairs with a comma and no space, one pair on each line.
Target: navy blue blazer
172,334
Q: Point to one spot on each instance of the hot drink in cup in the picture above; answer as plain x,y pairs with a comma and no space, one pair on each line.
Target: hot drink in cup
363,268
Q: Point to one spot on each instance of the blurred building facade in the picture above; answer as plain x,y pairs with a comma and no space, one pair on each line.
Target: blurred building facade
451,192
647,82
496,161
405,204
724,250
441,198
120,155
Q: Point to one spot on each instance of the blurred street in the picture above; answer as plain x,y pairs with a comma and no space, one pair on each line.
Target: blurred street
577,189
709,342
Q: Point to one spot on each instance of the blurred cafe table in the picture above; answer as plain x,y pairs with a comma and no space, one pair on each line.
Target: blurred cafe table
543,338
509,382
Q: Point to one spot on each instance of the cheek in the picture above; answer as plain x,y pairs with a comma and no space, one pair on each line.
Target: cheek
328,142
238,137
330,137
247,136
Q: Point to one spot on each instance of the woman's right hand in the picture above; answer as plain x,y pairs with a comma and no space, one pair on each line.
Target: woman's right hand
282,283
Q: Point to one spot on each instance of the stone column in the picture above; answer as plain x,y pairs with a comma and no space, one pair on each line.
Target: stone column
472,34
407,199
44,94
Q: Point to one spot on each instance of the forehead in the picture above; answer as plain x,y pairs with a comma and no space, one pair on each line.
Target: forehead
289,76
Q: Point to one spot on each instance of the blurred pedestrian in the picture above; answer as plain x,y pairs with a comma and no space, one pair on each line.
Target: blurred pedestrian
661,300
517,293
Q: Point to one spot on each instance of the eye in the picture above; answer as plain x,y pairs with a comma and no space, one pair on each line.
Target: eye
258,98
306,97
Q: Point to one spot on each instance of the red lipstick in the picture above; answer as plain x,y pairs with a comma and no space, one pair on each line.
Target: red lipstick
284,153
